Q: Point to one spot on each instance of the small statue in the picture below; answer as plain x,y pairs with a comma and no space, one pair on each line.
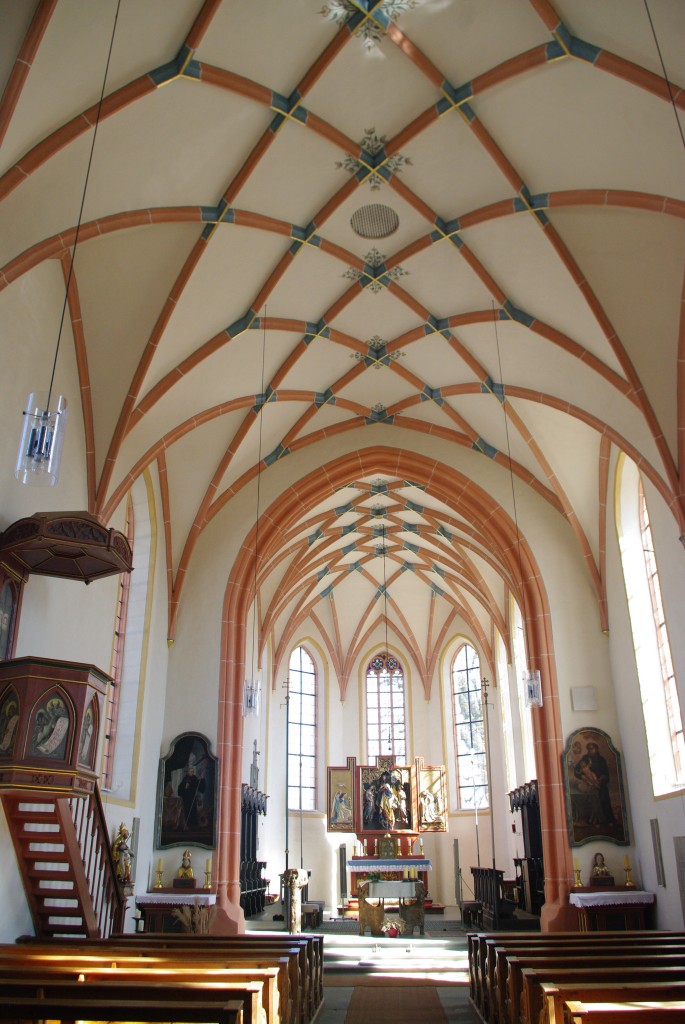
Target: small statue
186,869
122,854
600,872
254,768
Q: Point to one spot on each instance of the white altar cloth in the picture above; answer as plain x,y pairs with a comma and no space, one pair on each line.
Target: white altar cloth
368,864
604,898
393,890
181,898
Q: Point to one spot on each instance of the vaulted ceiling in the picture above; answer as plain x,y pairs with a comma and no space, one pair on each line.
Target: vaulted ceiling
379,221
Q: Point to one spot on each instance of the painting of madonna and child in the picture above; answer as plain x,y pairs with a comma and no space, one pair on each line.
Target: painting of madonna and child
386,797
595,801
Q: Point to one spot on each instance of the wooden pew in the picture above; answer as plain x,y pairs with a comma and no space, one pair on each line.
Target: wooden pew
29,1008
305,954
313,956
481,963
577,1012
606,950
276,969
481,947
531,1003
183,998
554,996
227,980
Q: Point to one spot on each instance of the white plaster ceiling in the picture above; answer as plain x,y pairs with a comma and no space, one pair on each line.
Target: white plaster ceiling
531,152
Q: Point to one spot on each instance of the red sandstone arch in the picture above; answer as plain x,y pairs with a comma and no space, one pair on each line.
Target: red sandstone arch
467,498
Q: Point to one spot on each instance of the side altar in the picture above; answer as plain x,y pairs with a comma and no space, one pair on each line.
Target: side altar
388,807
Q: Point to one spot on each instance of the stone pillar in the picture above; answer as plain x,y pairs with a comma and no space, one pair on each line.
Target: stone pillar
294,880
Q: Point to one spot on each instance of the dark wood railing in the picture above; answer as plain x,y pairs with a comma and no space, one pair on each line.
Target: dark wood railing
94,853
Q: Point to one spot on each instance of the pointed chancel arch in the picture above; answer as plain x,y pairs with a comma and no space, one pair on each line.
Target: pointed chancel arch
469,501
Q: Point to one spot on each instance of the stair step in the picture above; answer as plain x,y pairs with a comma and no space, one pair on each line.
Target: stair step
43,878
65,929
74,912
47,856
34,813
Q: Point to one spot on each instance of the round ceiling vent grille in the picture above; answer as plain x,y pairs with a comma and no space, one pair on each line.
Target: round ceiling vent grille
374,221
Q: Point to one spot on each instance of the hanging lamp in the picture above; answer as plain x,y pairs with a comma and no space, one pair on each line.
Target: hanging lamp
69,545
45,414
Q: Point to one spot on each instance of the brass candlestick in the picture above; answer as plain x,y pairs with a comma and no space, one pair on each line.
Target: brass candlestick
158,883
208,880
576,878
630,884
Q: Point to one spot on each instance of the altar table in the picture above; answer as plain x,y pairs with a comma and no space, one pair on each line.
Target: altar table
393,890
391,867
157,907
599,910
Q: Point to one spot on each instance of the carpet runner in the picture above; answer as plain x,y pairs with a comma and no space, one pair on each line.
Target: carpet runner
391,1005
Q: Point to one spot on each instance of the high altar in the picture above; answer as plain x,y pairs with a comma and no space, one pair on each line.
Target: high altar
387,807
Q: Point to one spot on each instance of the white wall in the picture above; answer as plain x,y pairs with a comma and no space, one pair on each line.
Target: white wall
669,811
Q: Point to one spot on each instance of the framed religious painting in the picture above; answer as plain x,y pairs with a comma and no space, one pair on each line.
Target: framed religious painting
51,733
593,780
386,796
187,794
340,791
432,798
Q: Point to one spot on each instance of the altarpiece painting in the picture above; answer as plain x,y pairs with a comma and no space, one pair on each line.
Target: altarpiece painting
387,797
187,794
595,801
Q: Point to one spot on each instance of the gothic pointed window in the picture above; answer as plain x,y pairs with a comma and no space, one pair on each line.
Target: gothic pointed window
670,692
386,727
469,729
302,732
117,664
648,620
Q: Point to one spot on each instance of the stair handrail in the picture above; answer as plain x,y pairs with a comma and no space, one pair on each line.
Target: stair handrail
96,852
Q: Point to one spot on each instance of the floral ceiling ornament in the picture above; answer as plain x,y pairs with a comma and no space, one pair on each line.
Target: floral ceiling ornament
373,144
372,28
377,355
374,260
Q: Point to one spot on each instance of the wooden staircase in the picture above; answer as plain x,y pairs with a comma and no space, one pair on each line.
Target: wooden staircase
65,860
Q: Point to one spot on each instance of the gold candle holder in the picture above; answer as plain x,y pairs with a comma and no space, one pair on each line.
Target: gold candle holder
630,884
158,883
208,880
576,878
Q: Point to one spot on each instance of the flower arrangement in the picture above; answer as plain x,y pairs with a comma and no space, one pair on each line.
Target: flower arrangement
392,927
